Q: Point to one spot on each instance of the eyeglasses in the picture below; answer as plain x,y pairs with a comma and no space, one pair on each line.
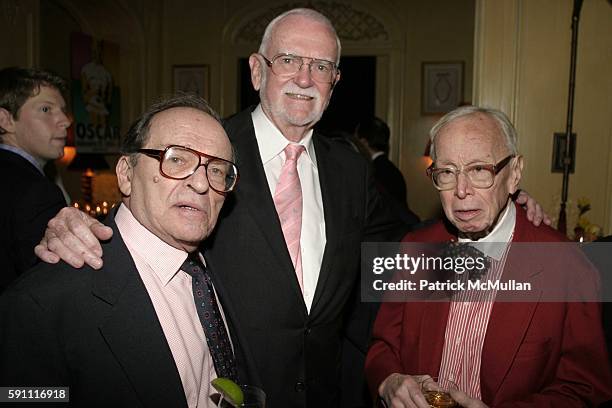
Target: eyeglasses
288,65
179,162
480,175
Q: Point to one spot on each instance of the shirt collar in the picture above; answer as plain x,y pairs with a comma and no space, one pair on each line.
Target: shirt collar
271,141
376,155
163,259
23,154
502,233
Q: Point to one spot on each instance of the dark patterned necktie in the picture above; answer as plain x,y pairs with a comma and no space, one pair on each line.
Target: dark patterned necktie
456,249
210,316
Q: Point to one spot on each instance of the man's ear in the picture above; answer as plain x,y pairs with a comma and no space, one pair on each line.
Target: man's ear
336,80
516,171
6,121
125,174
256,66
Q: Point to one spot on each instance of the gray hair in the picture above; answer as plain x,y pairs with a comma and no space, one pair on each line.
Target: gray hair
503,122
138,134
304,12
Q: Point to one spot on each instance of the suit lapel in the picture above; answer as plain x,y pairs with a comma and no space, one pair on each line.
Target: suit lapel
510,320
332,188
132,330
507,326
255,194
431,336
242,351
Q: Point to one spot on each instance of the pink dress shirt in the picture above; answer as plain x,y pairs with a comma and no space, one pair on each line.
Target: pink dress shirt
170,291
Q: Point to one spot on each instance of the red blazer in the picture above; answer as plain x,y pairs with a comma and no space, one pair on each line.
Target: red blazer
535,353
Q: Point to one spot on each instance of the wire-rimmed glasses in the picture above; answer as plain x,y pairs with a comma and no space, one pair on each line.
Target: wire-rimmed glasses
321,70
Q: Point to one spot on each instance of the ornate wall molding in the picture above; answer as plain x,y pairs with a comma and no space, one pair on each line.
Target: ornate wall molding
350,23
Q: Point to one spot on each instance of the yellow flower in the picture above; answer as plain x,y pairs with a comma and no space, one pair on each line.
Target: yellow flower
584,205
583,222
583,202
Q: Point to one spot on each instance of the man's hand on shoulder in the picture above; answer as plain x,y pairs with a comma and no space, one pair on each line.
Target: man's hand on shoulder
399,390
535,212
73,236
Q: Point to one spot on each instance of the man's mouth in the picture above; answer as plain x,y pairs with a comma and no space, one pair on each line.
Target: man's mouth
466,215
189,207
299,96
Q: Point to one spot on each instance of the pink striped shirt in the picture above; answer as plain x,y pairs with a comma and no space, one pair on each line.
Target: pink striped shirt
170,291
469,315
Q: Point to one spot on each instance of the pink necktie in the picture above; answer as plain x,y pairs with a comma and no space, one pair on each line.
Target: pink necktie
288,202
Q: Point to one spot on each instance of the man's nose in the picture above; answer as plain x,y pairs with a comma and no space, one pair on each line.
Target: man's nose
304,77
463,187
64,120
198,181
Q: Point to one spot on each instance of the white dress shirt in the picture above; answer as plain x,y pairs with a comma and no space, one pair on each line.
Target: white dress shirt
271,144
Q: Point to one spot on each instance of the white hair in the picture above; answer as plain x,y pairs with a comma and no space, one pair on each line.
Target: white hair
303,12
506,127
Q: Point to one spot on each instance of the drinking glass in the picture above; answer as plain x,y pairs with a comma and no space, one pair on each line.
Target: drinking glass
437,392
254,397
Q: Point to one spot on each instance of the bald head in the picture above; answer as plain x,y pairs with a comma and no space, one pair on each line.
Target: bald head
289,17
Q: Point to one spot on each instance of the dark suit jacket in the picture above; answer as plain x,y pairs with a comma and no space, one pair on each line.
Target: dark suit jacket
389,179
94,331
30,201
392,187
534,354
296,355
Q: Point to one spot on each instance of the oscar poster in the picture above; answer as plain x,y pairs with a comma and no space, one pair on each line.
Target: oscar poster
95,94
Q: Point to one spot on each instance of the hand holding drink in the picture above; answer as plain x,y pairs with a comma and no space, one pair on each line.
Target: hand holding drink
437,392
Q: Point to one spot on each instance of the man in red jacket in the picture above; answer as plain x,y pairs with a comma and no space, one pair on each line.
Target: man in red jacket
519,354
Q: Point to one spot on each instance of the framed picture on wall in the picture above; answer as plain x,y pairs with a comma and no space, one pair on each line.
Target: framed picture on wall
442,86
191,79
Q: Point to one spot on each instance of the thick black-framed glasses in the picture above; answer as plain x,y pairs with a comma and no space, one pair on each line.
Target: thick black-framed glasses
480,175
179,162
321,70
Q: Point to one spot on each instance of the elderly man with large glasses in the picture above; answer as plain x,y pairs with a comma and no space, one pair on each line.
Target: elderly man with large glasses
149,329
534,353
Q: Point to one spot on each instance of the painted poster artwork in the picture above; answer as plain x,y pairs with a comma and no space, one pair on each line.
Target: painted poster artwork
95,94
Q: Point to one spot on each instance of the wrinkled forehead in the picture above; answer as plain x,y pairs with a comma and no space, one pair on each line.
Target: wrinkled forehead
474,135
192,128
304,36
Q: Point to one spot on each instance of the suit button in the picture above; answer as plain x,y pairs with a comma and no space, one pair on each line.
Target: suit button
300,386
307,331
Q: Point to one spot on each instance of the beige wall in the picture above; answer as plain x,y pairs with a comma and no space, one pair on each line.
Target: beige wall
154,35
418,31
519,63
522,65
